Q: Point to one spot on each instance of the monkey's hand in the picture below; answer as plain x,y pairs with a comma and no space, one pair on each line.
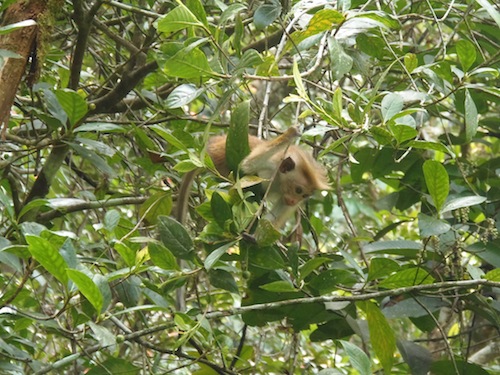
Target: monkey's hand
287,137
292,133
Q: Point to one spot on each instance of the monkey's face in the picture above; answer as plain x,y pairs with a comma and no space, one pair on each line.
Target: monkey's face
294,189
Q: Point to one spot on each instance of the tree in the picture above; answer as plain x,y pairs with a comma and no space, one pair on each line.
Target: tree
395,270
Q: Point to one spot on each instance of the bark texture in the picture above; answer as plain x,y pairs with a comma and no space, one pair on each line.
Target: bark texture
22,42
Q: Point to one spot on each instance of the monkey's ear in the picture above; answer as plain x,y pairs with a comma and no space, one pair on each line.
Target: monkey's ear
287,165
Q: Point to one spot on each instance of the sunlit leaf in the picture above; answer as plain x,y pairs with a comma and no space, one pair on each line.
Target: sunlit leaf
466,53
162,257
188,63
48,256
323,20
381,334
280,286
178,19
87,287
437,181
73,104
493,275
411,62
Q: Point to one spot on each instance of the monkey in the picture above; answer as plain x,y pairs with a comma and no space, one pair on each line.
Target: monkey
291,174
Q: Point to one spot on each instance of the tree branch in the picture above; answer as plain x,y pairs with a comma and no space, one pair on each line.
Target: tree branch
91,205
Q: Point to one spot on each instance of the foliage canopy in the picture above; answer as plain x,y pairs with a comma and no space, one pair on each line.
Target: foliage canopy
395,270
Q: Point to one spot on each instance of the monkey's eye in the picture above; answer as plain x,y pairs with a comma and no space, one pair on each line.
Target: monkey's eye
298,190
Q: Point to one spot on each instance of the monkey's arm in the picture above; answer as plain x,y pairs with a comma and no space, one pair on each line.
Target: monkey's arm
263,155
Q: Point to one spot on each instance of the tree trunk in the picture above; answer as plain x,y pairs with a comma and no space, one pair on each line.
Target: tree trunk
22,42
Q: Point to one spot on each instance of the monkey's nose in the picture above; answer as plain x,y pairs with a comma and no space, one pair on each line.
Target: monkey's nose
290,201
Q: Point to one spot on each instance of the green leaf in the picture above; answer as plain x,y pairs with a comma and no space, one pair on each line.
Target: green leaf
447,367
102,127
280,286
323,20
48,256
162,257
437,181
456,203
383,19
491,10
175,237
221,210
5,54
182,95
471,118
169,137
411,62
185,166
178,19
371,45
34,204
94,159
87,287
127,254
266,234
188,63
381,335
403,133
250,59
114,366
380,267
215,255
466,53
16,26
111,220
311,265
383,246
297,78
358,358
156,205
391,105
341,62
426,145
73,104
237,147
198,10
328,281
493,275
224,280
407,277
381,135
430,226
417,357
266,14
